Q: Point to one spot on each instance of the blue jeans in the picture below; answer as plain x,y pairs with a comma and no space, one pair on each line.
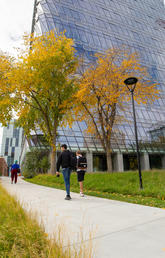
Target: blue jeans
66,174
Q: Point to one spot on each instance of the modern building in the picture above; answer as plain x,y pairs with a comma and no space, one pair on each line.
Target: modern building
158,133
96,25
11,143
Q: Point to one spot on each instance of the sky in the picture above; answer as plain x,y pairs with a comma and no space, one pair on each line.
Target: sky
15,20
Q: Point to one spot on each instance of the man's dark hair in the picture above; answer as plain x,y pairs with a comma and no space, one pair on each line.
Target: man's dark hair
64,146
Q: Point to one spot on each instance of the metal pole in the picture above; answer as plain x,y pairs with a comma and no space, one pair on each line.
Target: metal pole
34,16
136,136
33,22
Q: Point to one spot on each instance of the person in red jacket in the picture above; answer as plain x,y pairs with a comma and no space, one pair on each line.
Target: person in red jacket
14,170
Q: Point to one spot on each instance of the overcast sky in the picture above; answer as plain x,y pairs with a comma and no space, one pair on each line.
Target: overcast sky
15,19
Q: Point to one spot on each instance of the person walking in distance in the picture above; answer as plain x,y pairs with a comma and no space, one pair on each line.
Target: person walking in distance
81,169
14,170
64,160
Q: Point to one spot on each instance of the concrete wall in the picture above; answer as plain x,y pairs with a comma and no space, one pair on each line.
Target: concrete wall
118,162
163,161
89,157
145,163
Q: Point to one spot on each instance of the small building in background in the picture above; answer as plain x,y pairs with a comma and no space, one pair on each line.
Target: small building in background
11,143
4,171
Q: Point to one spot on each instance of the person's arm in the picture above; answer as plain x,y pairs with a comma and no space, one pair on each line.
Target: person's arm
59,161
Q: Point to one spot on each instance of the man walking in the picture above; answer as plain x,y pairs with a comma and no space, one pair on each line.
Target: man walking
64,160
14,170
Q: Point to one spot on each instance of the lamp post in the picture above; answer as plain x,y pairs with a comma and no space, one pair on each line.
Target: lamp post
131,85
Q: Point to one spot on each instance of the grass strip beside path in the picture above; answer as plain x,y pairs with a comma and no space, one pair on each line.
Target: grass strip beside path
22,237
19,235
116,186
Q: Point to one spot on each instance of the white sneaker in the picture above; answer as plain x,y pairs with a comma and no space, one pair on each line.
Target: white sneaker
81,194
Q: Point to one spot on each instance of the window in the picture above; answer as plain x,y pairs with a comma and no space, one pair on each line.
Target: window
12,152
6,146
16,142
16,133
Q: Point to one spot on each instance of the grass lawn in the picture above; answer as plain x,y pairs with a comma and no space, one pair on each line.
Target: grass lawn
21,236
116,186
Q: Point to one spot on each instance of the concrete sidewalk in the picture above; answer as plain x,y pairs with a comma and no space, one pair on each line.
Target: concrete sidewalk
120,230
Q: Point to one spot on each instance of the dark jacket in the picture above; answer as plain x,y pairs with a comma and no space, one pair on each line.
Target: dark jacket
64,160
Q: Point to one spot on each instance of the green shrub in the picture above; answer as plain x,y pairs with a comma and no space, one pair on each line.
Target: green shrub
36,162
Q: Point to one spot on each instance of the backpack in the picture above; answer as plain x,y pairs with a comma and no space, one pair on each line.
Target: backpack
73,162
18,170
82,162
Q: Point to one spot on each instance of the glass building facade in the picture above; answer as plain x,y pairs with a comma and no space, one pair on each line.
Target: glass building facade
96,25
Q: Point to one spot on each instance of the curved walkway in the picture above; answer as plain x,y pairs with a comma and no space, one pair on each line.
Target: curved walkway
119,229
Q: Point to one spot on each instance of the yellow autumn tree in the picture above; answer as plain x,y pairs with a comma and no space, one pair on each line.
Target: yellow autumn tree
41,80
5,90
102,93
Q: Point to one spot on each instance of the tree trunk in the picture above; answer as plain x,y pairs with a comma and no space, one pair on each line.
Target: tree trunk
109,161
52,170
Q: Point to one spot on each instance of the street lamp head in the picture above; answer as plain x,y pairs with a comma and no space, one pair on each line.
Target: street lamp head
131,83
